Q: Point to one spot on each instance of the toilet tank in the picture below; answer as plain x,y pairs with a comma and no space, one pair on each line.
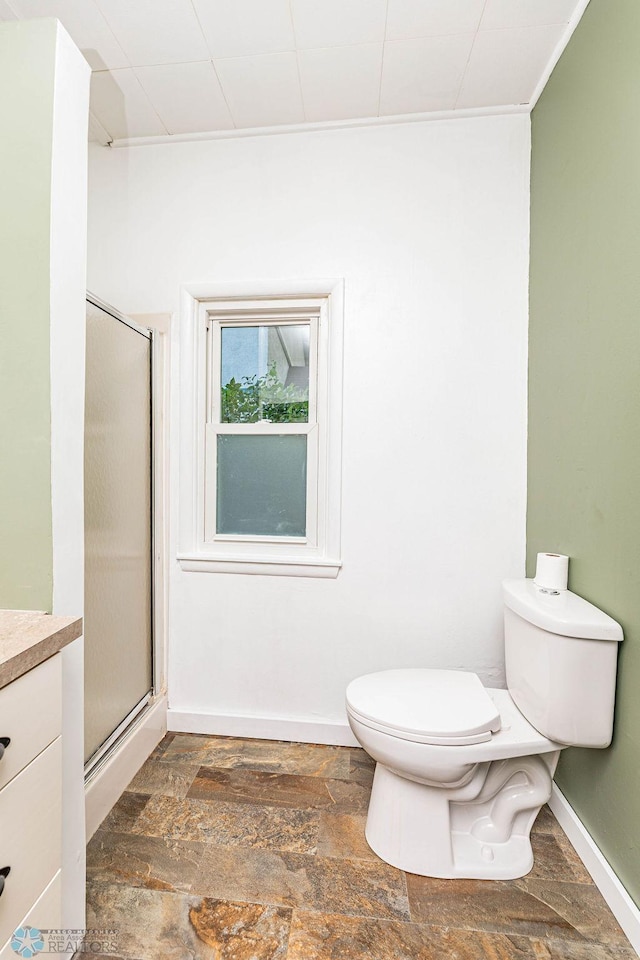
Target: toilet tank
561,654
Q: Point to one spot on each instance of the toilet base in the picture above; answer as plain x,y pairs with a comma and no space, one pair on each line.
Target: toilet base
477,831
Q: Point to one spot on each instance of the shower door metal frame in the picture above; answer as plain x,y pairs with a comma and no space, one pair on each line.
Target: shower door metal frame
106,749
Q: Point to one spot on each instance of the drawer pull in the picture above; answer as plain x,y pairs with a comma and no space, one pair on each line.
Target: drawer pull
4,743
4,873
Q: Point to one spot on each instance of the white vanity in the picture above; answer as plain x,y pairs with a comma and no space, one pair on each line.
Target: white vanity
31,770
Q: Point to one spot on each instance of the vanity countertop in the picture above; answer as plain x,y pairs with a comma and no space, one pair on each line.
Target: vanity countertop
28,637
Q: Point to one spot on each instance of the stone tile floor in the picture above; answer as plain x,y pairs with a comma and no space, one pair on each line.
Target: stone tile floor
228,849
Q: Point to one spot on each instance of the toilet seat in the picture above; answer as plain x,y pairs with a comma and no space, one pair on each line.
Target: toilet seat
440,707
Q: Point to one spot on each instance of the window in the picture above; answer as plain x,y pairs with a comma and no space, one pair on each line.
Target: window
261,430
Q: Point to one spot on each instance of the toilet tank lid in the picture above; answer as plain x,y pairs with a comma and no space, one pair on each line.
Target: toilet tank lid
564,613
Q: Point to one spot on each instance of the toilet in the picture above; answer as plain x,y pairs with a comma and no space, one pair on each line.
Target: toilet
462,770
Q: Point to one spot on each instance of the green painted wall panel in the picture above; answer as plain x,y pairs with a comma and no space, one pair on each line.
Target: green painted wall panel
584,380
27,69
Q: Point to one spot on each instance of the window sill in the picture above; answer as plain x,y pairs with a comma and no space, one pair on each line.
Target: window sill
272,567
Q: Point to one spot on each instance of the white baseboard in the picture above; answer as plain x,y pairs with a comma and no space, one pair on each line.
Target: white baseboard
262,728
620,903
106,785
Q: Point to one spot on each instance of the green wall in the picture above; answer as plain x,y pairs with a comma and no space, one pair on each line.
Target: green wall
584,380
27,68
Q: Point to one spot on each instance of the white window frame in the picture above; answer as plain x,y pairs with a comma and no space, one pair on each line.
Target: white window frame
210,307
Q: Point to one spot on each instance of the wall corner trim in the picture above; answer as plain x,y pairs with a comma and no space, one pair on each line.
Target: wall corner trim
620,903
559,49
461,113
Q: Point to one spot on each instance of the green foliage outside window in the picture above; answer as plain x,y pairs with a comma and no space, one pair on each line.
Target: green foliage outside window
263,398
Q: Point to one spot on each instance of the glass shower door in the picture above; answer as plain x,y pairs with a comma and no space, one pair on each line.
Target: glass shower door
118,527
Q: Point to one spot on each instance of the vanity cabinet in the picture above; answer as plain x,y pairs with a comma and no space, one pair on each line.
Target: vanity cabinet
31,800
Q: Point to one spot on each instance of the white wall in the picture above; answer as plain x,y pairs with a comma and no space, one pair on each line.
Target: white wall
428,224
67,331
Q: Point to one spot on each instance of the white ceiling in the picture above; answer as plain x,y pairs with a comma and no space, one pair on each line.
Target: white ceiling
170,67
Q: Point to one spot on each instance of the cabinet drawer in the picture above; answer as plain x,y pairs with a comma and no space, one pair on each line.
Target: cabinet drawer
45,914
31,715
30,835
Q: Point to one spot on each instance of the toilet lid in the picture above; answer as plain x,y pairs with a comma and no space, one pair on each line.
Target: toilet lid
430,706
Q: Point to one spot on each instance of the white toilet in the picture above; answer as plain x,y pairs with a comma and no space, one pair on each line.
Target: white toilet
462,770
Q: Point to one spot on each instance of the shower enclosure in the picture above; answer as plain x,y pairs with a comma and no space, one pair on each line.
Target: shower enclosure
118,528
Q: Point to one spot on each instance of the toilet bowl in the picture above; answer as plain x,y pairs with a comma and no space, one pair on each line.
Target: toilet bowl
463,770
460,809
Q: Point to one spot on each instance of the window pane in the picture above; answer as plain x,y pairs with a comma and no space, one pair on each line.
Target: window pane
265,374
262,485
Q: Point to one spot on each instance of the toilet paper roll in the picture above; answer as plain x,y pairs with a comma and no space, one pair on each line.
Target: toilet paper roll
552,571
